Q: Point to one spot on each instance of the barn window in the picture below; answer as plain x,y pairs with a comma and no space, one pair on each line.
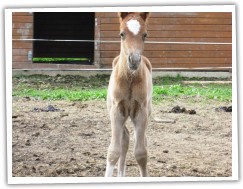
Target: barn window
63,26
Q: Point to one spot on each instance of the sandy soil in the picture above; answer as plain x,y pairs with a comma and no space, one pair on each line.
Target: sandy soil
73,141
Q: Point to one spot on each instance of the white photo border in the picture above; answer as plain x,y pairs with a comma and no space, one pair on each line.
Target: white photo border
42,180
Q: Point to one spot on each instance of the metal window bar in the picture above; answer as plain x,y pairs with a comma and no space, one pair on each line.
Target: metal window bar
104,41
148,42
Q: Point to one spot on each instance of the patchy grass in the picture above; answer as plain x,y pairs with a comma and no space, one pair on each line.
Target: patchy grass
63,94
43,59
213,91
81,88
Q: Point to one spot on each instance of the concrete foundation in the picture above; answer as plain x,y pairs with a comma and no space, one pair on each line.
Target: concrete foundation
156,73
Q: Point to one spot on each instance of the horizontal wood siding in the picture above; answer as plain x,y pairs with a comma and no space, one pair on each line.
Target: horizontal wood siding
22,28
164,27
176,27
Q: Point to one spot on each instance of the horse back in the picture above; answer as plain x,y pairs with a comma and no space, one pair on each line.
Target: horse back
115,60
147,63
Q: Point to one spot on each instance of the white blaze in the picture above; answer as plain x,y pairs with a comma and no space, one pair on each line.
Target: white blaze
133,26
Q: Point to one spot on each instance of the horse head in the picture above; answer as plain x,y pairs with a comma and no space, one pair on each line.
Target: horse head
133,32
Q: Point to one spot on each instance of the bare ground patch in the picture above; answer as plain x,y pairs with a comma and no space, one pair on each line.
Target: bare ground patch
73,142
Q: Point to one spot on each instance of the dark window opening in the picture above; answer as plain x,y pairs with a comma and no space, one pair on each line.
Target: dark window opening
64,26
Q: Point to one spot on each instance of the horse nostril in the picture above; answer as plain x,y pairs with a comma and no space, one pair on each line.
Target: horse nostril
130,58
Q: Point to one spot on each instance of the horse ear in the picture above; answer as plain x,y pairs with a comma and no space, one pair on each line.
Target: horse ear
144,15
122,15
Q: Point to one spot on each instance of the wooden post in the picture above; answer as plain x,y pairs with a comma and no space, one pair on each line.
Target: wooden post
22,28
97,62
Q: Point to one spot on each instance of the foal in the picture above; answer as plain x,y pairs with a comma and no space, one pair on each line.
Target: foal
129,94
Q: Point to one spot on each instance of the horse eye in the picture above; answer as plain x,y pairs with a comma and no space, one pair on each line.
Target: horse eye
122,34
144,36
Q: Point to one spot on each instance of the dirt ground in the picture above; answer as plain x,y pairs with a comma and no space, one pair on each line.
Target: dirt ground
73,141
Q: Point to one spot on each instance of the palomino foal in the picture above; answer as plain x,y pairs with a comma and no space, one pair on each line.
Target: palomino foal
129,94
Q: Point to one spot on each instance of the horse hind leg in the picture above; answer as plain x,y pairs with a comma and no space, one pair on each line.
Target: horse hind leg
123,153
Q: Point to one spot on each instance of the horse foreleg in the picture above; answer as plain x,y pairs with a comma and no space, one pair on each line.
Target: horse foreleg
124,148
114,150
140,123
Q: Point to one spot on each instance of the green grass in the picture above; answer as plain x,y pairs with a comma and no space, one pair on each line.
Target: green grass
77,88
213,91
43,59
63,94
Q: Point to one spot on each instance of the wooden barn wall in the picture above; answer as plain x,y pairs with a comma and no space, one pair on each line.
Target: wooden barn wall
22,28
176,27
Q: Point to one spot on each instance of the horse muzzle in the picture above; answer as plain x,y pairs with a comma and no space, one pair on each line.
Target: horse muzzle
134,60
